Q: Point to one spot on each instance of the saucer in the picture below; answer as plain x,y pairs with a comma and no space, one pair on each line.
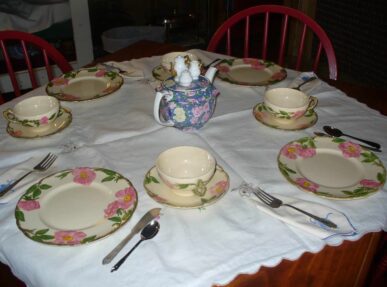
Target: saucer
61,122
161,193
266,118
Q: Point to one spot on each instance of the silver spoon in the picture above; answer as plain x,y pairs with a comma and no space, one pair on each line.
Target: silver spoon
338,133
148,232
303,83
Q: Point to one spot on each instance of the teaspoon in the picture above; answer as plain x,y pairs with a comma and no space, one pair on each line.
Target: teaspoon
303,83
338,133
148,232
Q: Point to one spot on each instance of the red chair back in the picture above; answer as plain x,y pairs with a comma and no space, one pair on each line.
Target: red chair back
48,52
266,12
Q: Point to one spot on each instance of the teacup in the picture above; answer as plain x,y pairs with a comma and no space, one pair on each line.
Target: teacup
186,169
168,60
287,103
34,112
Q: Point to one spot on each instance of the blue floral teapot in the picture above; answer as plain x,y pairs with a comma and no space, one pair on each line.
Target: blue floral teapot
186,103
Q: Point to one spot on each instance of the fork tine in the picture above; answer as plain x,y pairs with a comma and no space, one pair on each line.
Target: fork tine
261,197
50,161
43,160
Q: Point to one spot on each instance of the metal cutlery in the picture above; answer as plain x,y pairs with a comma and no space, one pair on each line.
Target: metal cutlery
305,82
112,68
148,217
276,203
212,62
320,134
41,166
338,133
148,232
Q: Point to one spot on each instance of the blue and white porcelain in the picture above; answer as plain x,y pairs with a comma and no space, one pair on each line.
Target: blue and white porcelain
186,107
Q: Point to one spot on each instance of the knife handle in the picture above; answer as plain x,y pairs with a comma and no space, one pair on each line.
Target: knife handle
108,258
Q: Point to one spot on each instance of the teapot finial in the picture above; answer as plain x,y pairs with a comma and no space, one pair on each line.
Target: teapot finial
179,67
185,79
194,69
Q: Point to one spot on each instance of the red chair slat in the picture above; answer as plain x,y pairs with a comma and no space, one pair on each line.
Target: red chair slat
50,55
324,43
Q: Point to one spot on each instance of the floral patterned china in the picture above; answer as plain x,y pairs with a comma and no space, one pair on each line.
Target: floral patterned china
186,107
160,192
332,167
63,120
159,73
84,84
76,206
262,115
250,72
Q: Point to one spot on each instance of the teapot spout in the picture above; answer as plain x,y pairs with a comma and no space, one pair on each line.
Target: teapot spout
210,74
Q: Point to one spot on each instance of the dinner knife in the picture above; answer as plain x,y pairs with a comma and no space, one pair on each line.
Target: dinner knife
148,217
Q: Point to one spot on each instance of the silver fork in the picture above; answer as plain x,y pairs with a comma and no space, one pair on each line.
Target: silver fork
275,203
41,166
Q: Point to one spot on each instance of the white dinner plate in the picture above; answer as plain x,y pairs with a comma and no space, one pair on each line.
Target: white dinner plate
250,72
84,84
76,206
332,167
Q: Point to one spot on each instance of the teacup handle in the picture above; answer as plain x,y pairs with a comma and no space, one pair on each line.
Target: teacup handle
200,188
312,102
10,116
156,108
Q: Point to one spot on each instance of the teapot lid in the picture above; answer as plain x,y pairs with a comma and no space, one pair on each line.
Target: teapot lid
198,84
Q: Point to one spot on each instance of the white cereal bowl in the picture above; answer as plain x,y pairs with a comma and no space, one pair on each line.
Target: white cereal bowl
168,60
185,169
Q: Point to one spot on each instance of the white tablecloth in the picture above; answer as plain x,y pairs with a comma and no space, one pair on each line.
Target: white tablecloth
196,247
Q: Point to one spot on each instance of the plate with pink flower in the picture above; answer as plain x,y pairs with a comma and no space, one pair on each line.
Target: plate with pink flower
250,72
332,167
160,192
84,84
76,206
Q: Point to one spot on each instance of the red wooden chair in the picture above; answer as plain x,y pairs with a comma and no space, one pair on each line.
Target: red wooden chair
233,28
48,52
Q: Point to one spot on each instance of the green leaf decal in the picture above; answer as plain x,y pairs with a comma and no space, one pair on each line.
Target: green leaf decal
19,215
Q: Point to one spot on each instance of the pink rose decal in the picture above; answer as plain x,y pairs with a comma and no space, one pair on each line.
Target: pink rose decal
291,150
28,205
255,63
83,175
350,149
370,183
219,187
69,237
111,210
307,152
60,81
43,120
298,114
126,197
306,184
100,73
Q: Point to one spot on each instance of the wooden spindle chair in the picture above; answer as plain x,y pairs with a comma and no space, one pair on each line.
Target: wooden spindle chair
241,28
48,52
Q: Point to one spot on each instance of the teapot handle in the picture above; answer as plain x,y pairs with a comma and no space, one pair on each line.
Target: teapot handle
156,108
